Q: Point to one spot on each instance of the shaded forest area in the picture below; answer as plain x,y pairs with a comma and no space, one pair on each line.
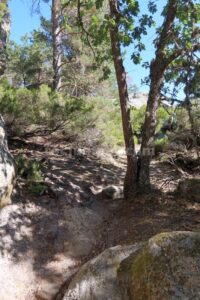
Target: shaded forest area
85,165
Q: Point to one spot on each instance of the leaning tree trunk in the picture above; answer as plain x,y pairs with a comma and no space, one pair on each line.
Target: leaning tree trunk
157,70
7,171
57,43
130,181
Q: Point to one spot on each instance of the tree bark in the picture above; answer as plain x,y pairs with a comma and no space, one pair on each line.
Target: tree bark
7,170
130,182
4,31
157,70
57,43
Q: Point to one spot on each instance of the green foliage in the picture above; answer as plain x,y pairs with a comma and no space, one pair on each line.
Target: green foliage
160,145
3,9
36,189
31,171
29,62
183,118
109,122
162,116
138,116
23,107
97,32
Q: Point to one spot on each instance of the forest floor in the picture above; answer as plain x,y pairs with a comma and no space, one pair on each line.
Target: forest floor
70,223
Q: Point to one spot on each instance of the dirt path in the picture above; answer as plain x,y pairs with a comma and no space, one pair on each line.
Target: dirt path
45,239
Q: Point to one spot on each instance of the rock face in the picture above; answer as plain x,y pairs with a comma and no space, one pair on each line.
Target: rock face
7,170
41,246
166,267
97,279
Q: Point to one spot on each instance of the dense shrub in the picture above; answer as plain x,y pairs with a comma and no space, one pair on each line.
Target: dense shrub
22,107
138,116
160,145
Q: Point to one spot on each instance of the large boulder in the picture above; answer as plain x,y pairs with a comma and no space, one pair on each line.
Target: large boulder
166,267
42,245
97,279
7,169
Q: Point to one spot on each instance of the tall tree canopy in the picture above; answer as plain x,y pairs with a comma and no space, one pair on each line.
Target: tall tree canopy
175,38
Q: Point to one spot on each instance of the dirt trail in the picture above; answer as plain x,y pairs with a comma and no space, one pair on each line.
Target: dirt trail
45,239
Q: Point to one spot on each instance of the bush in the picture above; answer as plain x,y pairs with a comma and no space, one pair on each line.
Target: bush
23,107
138,116
31,171
108,121
160,145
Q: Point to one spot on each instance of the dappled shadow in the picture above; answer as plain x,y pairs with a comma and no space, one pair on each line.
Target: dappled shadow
49,236
164,177
70,179
42,244
150,215
39,230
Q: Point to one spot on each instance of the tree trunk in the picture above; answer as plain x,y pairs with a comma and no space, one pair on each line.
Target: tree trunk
7,170
157,70
147,147
57,43
130,182
4,31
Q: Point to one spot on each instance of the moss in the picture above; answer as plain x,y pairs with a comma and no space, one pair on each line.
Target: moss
160,269
147,269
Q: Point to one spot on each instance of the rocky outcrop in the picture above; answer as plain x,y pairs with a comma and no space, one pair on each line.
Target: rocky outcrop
98,278
42,245
7,170
166,267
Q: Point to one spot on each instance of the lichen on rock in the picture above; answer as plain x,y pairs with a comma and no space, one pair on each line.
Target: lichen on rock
166,268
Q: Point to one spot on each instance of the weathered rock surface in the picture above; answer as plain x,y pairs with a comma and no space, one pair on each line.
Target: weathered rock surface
7,170
41,246
97,279
113,192
166,267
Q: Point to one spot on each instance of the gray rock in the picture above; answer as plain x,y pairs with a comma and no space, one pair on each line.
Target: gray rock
97,279
7,170
41,247
113,192
166,267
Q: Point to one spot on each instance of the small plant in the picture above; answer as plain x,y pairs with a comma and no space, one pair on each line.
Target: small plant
34,171
36,189
21,164
31,171
160,145
35,179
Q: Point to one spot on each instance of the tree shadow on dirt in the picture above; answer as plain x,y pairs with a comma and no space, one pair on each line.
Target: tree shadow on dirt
38,229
